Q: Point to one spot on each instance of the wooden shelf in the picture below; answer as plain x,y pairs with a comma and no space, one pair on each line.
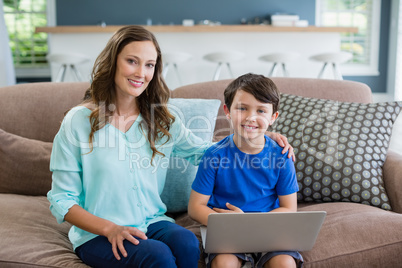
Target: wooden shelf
196,28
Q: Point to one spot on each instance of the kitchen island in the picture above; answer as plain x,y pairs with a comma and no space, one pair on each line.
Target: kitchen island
198,40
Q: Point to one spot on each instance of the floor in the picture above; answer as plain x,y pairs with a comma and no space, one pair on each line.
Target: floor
396,141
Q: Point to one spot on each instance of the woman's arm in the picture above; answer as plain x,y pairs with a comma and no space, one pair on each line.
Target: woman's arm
197,207
287,203
116,234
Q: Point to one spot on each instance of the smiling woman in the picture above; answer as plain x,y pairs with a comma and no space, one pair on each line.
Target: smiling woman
127,103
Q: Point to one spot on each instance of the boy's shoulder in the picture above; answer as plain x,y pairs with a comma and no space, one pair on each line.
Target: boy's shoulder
273,147
223,146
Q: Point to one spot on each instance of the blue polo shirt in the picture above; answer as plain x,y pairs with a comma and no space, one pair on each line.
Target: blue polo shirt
250,182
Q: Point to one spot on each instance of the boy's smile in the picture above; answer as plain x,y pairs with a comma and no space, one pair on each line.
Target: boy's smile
250,118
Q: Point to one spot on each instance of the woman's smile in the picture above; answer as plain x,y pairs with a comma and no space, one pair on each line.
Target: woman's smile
135,83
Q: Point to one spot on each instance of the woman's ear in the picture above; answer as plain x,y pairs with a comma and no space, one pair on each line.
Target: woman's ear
227,112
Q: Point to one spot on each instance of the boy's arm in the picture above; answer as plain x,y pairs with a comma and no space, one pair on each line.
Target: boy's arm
197,207
287,203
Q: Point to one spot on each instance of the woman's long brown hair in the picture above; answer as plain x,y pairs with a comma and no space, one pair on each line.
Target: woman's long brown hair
151,103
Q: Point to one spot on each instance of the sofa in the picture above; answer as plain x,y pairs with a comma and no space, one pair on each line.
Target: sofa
361,229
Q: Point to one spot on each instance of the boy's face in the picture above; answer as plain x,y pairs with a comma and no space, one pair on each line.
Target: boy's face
250,118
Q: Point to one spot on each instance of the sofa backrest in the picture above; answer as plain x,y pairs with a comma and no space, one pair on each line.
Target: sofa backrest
341,90
35,110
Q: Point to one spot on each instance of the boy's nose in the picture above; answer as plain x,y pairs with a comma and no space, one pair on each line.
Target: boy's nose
251,117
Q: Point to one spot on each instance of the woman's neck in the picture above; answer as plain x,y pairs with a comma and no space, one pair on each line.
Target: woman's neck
126,107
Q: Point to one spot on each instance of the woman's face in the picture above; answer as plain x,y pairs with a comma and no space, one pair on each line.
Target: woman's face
135,67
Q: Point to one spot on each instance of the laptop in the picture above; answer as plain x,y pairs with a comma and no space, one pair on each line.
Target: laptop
261,232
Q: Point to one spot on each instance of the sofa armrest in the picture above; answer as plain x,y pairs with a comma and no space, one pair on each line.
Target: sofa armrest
393,179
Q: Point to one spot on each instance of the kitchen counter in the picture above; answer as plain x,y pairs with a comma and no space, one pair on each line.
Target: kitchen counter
196,28
252,40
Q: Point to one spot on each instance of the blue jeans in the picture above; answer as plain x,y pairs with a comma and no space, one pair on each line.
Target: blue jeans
168,245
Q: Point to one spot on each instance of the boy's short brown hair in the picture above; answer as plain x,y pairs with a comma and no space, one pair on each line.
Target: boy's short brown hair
261,87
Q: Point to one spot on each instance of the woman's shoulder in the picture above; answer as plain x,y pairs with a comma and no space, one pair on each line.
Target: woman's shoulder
84,108
78,115
89,106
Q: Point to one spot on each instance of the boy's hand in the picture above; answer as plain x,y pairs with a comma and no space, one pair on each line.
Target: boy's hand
231,209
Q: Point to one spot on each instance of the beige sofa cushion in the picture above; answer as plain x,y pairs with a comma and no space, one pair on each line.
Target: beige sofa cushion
24,167
35,110
30,235
355,235
352,235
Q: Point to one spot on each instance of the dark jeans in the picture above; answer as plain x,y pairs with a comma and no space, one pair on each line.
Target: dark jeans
168,245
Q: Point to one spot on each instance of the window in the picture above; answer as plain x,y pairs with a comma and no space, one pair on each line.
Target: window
363,14
29,49
394,79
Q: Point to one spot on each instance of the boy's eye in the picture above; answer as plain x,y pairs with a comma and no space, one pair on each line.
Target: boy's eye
261,111
241,108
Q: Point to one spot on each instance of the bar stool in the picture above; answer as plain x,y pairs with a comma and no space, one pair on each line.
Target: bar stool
67,60
333,58
280,58
221,58
172,59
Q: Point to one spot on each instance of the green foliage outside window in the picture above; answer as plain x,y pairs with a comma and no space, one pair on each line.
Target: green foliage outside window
29,49
351,13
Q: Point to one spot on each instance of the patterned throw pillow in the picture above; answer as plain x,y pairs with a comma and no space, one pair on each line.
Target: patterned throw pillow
340,147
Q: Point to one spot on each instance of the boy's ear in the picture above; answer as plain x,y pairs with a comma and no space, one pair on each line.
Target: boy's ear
274,117
226,110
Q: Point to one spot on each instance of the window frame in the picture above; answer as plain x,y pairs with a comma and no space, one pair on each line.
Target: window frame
372,68
42,71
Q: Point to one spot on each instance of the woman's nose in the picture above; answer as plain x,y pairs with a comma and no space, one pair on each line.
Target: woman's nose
140,71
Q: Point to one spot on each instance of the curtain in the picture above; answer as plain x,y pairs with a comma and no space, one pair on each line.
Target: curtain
7,72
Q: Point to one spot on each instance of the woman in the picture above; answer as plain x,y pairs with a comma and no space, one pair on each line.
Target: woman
112,202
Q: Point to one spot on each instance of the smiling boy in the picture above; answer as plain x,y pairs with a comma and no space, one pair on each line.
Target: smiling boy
246,171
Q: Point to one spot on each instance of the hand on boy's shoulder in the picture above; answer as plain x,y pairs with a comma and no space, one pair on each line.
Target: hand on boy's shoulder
231,209
283,142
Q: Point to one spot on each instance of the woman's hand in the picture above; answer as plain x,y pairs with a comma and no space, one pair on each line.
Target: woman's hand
118,234
231,209
283,142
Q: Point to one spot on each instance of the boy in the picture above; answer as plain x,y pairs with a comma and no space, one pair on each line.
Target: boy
246,171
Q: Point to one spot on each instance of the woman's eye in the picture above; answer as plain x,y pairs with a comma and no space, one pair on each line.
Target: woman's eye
151,65
131,61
